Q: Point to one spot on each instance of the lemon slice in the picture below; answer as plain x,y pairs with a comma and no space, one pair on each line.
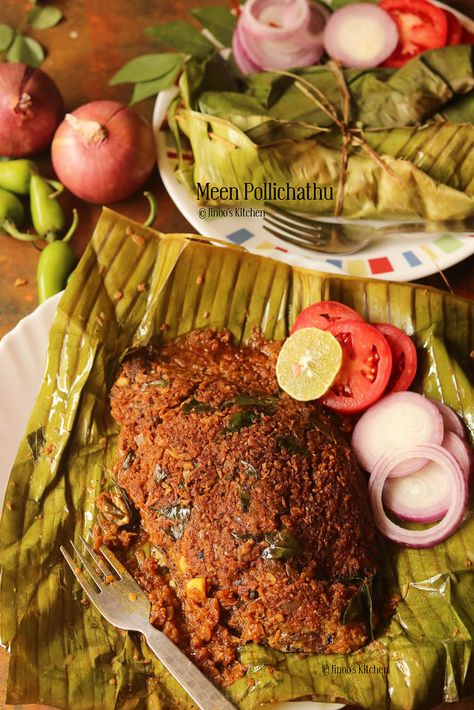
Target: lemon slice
308,363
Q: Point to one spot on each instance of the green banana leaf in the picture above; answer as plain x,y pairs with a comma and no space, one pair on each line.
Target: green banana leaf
130,282
428,85
225,156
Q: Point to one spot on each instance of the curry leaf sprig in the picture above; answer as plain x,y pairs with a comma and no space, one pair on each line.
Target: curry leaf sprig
152,73
16,46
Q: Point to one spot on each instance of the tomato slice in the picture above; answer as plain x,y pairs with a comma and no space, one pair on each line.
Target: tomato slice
404,358
454,29
365,370
421,26
322,314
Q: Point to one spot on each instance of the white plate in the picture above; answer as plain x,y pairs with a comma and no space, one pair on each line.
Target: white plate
398,258
23,354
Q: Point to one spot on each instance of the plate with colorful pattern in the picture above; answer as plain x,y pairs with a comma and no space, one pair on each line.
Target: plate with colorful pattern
398,258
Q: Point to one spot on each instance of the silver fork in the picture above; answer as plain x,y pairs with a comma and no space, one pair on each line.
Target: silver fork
124,604
344,237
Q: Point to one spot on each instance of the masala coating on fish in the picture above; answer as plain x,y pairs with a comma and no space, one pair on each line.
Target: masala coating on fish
252,501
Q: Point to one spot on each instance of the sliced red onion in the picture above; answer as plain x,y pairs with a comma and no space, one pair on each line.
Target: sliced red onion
242,58
279,34
360,36
461,451
451,420
422,496
457,501
397,422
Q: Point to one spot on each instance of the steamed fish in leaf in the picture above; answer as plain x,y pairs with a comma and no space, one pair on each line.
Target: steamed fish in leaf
225,156
380,97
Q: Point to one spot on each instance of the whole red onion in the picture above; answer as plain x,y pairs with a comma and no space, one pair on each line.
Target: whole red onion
103,151
30,109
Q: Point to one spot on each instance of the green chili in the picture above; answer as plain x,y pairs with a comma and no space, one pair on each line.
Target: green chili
153,210
12,216
54,266
15,175
46,212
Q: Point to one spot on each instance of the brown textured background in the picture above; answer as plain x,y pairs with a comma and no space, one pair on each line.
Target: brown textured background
84,50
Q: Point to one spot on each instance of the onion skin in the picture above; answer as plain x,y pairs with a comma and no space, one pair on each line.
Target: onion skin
31,108
103,152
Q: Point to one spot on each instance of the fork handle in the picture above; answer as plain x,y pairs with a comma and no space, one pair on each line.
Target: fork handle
202,691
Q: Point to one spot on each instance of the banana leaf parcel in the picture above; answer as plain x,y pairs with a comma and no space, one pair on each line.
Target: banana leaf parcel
411,137
130,282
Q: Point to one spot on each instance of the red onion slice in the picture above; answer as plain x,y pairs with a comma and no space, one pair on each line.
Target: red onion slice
421,497
461,451
360,36
241,56
397,422
451,420
456,506
279,34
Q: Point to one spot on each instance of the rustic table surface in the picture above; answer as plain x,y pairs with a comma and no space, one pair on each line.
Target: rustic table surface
84,50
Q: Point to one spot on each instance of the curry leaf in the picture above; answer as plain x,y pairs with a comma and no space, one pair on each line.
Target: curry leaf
245,498
360,605
239,420
146,68
26,50
159,474
195,405
150,88
249,470
6,37
265,400
281,544
159,382
183,37
180,516
43,18
129,459
219,21
291,446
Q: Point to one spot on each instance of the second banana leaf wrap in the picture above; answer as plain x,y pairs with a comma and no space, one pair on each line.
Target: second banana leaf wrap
416,124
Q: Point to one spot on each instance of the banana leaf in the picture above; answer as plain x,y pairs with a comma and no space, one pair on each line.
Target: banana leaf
226,156
425,87
130,282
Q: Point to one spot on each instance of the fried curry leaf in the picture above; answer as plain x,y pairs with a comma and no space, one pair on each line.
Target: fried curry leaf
249,470
239,420
245,498
291,446
116,507
159,382
36,440
281,545
243,399
159,474
361,605
130,457
179,515
194,405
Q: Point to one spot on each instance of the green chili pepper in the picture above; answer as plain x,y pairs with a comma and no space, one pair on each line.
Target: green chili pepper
46,212
153,209
11,208
12,216
15,175
54,266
